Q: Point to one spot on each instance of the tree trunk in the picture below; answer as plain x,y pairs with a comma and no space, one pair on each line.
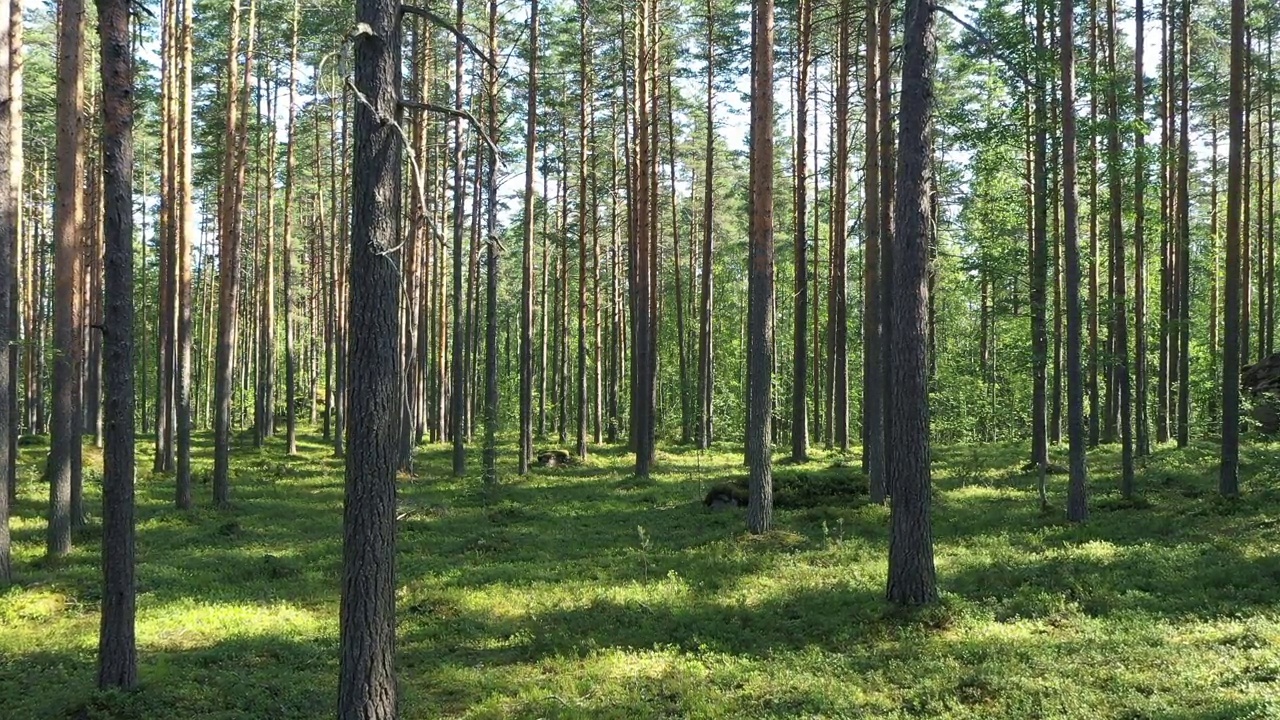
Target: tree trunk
912,578
1040,261
117,650
491,422
642,399
584,110
12,47
186,230
873,405
290,352
1228,479
800,344
1095,299
705,362
1142,429
367,684
264,398
1077,498
64,445
229,256
1120,320
8,329
840,225
1184,230
760,300
526,287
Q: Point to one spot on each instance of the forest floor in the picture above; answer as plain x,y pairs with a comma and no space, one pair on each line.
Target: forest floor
580,592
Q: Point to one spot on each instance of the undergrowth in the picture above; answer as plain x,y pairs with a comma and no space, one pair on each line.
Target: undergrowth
582,592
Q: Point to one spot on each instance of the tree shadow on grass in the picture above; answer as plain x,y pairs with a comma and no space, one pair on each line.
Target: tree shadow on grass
261,676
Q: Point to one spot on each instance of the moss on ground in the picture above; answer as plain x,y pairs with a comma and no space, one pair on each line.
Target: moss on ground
579,592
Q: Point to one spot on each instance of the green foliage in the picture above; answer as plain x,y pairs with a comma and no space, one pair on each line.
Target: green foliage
575,594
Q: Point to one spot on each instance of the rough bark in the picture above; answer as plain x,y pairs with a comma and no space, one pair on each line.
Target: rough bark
761,270
912,577
366,671
117,649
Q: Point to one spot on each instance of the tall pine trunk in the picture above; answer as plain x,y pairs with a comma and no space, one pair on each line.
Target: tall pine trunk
761,273
526,287
1228,479
64,445
366,666
912,577
117,648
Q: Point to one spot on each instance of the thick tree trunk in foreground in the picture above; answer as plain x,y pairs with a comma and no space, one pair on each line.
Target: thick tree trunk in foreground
912,578
117,649
366,670
760,299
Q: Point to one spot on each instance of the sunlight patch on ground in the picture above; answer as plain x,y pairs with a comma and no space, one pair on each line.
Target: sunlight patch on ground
192,623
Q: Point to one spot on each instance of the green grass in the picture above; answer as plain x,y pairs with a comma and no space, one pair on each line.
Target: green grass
584,593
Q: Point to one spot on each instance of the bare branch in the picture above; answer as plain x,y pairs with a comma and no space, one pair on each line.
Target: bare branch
451,112
456,32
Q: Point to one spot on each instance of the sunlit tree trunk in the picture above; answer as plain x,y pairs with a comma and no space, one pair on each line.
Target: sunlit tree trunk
64,445
761,273
235,143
